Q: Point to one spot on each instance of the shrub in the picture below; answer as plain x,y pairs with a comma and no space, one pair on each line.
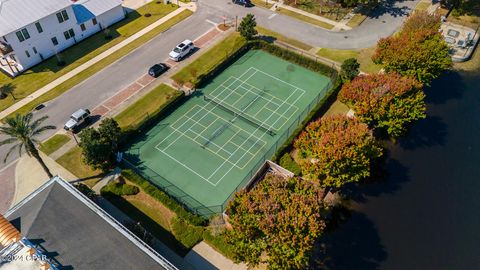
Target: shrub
119,189
287,162
220,244
162,197
188,235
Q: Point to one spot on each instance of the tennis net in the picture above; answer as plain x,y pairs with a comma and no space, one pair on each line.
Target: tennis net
236,112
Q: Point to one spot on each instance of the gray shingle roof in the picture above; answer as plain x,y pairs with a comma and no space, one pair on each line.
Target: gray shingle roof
77,233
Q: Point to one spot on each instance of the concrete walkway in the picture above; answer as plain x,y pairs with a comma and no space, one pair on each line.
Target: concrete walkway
204,257
29,175
107,179
93,61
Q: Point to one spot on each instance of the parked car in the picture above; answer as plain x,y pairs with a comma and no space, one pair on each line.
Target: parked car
157,70
182,50
77,119
245,3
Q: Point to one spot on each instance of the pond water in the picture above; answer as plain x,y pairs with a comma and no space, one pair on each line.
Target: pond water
426,214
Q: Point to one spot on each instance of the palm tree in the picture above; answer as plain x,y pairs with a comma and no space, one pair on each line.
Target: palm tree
7,89
22,131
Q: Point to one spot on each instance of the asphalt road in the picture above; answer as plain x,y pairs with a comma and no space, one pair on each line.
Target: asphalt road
114,78
382,22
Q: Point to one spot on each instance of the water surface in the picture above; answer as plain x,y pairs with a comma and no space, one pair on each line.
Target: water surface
426,215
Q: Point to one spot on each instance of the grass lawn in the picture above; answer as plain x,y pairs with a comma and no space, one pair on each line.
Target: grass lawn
72,161
304,18
47,71
102,64
279,37
356,20
148,105
336,108
262,3
422,5
210,59
54,143
363,56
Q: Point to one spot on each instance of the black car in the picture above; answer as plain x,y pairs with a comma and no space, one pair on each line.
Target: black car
157,69
245,3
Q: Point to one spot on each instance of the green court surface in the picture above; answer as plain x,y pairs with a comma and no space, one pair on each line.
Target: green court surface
211,146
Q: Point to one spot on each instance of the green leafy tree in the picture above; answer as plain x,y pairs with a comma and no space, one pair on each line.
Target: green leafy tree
23,131
247,27
421,53
336,150
96,152
350,69
99,146
110,132
385,101
280,218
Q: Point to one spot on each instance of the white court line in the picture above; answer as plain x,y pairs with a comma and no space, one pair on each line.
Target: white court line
294,86
260,137
237,128
259,141
194,115
268,100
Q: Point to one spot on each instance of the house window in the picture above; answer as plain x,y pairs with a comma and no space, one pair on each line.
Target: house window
82,26
62,16
27,53
94,21
69,34
54,41
22,35
39,27
34,50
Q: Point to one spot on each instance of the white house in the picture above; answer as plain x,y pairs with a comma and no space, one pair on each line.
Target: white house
34,30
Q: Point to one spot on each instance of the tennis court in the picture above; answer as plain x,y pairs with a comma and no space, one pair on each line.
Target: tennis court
212,144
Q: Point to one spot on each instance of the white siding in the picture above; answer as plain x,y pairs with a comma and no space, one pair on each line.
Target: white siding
52,28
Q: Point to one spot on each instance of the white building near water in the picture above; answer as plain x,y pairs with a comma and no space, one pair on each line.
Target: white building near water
34,30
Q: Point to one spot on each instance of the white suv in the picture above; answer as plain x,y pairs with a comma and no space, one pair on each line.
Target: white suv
76,119
181,50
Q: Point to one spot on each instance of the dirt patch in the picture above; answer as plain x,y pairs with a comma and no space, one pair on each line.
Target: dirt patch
223,27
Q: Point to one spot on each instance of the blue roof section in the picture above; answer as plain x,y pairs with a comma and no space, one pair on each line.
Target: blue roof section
82,14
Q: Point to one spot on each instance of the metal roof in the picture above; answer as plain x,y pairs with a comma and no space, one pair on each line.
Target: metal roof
88,9
16,14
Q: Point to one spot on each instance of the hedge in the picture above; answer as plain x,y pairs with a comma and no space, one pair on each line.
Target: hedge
220,244
287,162
119,189
133,131
294,57
189,235
162,197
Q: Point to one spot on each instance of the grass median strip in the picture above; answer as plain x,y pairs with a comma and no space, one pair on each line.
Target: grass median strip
149,105
304,18
47,71
209,60
364,57
54,143
55,92
293,42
